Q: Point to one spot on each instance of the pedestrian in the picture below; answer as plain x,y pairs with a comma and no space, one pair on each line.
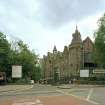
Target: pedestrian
70,82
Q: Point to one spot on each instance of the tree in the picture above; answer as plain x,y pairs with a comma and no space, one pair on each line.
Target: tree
4,53
22,55
99,46
36,75
18,53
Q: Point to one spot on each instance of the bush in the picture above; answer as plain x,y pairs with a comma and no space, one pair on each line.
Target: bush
20,81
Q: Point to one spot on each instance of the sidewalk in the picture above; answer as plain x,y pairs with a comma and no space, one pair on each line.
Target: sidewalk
70,86
6,88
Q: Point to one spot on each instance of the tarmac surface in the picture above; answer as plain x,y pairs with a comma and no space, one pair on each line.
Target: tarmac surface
52,95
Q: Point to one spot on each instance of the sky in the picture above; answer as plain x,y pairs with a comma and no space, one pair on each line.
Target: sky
44,23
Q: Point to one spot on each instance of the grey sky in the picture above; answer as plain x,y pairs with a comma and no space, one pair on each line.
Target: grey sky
45,23
59,12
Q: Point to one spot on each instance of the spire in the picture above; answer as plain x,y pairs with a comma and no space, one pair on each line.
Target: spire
76,30
54,49
76,36
76,27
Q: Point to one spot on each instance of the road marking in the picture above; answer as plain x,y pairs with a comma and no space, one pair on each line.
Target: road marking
24,103
81,98
37,102
90,94
93,102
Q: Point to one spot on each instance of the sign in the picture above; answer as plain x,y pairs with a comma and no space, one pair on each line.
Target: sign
99,71
84,73
16,71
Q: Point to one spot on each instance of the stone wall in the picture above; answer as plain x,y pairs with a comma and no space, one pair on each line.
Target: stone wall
70,61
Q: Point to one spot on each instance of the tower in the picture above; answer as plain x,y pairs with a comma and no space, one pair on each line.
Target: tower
54,50
76,37
75,53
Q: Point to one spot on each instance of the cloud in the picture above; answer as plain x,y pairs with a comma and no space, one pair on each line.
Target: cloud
58,12
30,20
18,17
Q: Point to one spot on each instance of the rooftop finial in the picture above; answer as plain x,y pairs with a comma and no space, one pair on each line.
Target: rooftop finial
55,49
76,27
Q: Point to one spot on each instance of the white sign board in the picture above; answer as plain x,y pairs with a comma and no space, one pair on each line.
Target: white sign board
84,73
16,71
99,71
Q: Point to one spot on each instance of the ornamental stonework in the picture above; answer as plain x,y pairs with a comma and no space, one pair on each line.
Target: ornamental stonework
76,56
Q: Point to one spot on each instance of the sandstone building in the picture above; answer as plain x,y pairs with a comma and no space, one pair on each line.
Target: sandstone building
76,56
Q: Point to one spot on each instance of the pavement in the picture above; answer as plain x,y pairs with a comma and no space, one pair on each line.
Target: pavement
47,100
6,88
70,86
52,95
92,93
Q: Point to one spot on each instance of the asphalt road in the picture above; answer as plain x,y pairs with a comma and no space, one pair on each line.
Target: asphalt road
77,95
93,94
35,90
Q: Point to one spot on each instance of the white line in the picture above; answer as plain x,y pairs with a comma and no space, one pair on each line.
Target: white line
93,102
31,86
81,98
37,102
90,94
24,103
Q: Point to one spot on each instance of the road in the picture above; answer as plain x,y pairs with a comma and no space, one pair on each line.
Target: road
51,95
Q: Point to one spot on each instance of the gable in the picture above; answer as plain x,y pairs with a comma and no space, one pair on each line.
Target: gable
88,45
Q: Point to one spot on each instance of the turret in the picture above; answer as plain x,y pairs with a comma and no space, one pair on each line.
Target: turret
54,50
76,37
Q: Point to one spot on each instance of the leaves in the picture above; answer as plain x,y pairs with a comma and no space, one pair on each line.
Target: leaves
100,42
18,53
23,56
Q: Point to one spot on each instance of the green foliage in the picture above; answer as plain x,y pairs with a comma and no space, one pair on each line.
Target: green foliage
23,56
4,53
18,53
36,75
99,53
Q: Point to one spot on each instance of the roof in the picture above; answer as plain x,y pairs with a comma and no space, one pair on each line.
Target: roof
87,39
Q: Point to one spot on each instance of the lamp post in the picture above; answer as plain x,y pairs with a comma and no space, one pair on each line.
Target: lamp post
82,57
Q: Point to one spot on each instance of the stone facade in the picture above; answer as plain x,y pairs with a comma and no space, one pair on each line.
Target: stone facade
76,56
